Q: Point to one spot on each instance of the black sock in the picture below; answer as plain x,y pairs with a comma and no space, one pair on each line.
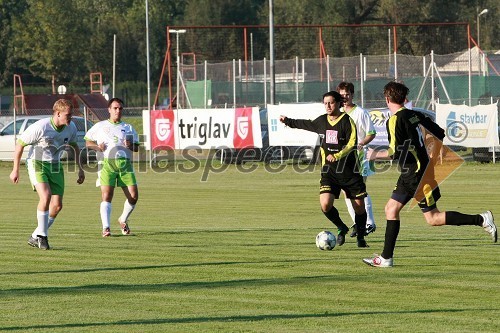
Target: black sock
456,218
391,234
333,216
360,221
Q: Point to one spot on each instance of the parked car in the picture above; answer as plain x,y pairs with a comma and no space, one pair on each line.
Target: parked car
7,139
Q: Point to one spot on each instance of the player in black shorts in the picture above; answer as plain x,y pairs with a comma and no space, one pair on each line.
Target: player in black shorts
340,169
405,130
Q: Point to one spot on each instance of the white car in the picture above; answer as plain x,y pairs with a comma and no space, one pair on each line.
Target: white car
8,140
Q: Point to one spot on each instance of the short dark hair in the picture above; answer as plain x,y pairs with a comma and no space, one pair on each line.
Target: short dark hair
115,99
348,86
336,96
396,92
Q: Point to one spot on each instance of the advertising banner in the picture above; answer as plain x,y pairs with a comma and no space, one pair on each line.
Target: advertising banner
280,135
205,128
469,126
162,129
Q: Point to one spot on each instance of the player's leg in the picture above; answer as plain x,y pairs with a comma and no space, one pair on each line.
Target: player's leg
106,179
127,181
399,198
56,183
107,192
38,175
132,195
360,220
485,220
366,171
370,220
56,205
326,199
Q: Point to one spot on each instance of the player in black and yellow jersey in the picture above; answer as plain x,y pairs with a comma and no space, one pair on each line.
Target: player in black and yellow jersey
340,168
405,130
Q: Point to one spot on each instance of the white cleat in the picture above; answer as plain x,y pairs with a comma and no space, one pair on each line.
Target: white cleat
489,225
378,261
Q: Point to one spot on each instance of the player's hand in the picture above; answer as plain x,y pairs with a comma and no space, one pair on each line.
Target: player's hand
102,146
81,176
128,144
331,158
14,176
282,119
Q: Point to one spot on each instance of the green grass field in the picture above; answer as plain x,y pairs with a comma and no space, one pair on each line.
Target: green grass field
236,253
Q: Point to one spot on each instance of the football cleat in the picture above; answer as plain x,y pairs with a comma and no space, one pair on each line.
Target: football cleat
125,228
370,228
489,225
354,232
341,236
40,242
106,232
362,243
378,261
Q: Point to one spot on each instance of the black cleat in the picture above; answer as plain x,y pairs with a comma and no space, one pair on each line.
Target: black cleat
370,229
341,236
362,243
354,232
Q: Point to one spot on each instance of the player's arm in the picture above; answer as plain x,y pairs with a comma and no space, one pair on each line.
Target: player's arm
92,145
369,130
81,173
432,127
18,152
304,124
352,139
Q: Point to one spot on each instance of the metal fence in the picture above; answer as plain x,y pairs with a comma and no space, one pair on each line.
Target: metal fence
470,77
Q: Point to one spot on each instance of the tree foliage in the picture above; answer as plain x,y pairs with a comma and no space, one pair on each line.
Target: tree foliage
71,38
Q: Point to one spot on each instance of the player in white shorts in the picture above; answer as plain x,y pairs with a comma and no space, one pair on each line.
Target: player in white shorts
48,138
366,133
115,141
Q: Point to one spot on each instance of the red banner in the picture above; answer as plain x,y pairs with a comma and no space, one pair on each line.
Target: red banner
162,129
243,131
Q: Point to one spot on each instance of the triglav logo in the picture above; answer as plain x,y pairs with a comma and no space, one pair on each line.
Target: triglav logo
242,127
163,127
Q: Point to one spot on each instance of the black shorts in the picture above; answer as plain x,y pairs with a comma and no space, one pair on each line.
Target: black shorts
409,187
354,187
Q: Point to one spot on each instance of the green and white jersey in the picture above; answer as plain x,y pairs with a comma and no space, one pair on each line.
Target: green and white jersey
47,142
113,135
361,117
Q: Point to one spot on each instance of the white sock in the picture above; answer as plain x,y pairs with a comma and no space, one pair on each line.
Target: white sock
50,222
127,210
43,224
350,209
105,214
369,211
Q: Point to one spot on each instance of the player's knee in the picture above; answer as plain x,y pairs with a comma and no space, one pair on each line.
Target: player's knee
325,206
56,209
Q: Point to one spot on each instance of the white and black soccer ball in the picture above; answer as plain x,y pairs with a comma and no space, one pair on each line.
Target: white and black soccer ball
325,240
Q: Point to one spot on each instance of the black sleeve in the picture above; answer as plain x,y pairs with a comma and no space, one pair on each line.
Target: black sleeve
431,126
305,124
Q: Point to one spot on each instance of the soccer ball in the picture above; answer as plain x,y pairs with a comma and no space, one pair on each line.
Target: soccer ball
325,240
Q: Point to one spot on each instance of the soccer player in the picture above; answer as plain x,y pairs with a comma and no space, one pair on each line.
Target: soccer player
339,164
406,143
366,133
48,137
115,140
